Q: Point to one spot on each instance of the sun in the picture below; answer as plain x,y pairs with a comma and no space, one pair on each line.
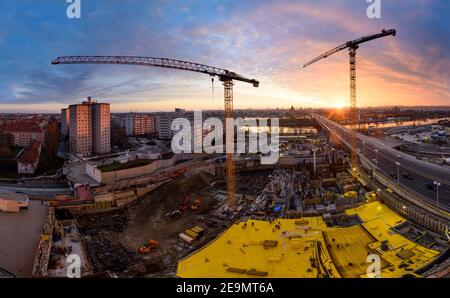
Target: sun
339,105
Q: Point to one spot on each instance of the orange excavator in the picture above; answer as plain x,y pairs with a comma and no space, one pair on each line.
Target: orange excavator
150,246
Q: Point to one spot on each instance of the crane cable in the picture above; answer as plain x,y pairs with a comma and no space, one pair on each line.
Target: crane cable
212,88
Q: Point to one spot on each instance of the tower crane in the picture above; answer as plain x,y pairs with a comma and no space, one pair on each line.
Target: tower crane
352,46
225,76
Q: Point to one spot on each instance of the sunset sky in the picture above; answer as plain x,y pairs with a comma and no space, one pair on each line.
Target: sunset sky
266,40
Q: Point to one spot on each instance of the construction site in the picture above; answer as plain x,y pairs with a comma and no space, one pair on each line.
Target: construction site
306,216
333,198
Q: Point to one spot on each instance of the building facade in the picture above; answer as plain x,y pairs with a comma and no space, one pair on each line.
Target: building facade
28,162
90,128
101,128
139,124
65,121
23,133
164,122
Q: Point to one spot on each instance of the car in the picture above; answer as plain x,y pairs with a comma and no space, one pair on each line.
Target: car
375,161
408,176
399,156
431,186
393,175
221,159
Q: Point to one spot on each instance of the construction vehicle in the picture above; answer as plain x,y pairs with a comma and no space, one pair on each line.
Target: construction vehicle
353,46
143,250
225,76
151,245
196,204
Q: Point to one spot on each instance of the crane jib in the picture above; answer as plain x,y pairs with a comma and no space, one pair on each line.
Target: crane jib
352,44
223,74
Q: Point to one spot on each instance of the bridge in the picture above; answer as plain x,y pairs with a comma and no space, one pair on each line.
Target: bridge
415,177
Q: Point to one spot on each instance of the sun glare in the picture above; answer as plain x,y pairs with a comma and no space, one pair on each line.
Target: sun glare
339,105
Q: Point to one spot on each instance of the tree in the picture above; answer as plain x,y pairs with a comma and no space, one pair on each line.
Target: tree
5,152
52,139
6,139
119,138
49,156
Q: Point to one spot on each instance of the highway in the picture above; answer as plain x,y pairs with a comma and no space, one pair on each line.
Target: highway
419,172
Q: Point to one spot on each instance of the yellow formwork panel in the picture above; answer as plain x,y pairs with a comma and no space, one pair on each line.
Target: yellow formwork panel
349,248
378,220
241,249
376,210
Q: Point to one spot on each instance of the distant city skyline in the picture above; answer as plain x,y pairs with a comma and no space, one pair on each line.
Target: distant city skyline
172,108
268,40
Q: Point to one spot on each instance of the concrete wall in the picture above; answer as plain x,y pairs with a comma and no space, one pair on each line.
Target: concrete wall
93,172
108,177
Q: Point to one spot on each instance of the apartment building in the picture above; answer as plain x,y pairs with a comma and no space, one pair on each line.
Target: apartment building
101,128
139,124
90,128
65,121
24,132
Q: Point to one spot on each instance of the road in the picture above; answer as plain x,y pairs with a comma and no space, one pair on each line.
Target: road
422,172
36,189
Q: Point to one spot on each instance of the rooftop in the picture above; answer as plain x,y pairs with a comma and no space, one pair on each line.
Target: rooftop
22,126
31,153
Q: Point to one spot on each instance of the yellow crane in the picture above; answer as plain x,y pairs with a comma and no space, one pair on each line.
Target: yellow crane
352,46
226,76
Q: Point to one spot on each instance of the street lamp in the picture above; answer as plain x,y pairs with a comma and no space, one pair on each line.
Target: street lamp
437,192
376,154
398,171
363,143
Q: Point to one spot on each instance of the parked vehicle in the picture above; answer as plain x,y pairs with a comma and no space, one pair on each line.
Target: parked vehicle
408,176
431,186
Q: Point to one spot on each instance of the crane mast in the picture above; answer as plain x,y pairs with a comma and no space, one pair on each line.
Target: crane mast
353,109
231,172
352,47
226,76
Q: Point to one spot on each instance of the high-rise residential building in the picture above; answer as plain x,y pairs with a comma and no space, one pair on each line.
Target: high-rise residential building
139,124
101,128
65,121
90,128
164,122
80,129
